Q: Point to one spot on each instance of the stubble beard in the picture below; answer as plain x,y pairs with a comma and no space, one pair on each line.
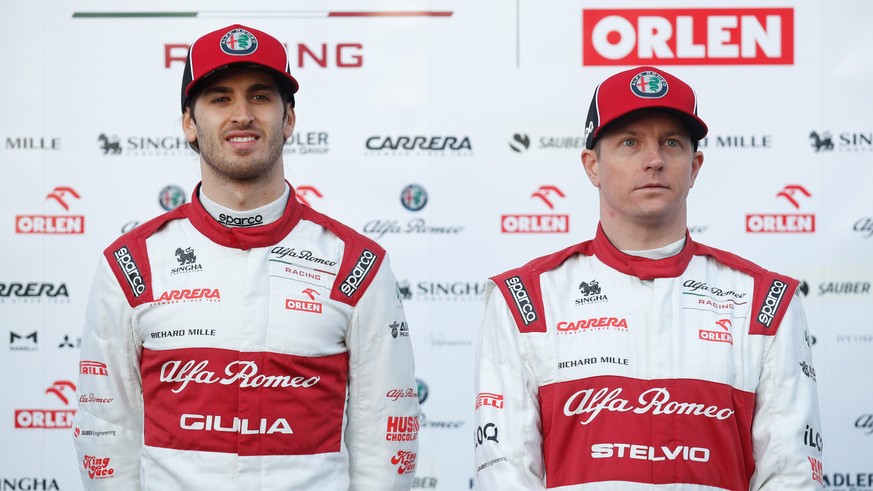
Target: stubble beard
241,166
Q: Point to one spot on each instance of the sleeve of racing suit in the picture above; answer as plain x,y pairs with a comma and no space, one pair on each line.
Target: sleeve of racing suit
786,427
108,422
508,431
382,431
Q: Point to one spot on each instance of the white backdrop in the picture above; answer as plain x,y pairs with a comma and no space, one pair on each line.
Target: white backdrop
498,91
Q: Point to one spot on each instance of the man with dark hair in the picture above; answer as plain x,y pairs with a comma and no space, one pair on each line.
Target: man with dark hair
642,359
244,340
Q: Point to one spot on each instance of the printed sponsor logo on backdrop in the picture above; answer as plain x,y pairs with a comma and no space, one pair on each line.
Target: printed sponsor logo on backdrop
413,198
864,226
33,143
521,143
63,196
865,423
844,288
23,341
748,142
307,143
796,196
435,291
47,419
112,145
435,424
855,338
424,482
539,223
307,194
34,292
26,483
844,141
854,480
312,55
702,36
413,145
171,196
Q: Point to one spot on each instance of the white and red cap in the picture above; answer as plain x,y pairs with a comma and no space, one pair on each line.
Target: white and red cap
643,87
237,45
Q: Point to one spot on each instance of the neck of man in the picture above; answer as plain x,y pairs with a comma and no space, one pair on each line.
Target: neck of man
643,236
244,195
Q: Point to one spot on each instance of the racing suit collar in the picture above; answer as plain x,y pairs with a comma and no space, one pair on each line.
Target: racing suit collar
244,238
641,267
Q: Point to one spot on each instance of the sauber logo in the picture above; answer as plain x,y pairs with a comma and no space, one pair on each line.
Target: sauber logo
656,401
362,268
736,36
522,300
654,454
489,399
772,302
243,372
98,467
130,269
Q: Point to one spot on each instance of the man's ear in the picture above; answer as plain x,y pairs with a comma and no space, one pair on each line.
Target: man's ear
189,126
592,166
290,120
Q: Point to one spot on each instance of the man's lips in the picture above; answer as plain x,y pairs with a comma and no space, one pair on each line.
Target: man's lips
241,140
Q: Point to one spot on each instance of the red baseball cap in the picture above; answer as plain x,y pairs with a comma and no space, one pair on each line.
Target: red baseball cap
643,87
237,45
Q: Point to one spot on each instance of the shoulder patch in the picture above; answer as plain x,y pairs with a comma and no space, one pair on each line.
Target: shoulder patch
129,260
362,258
522,295
360,273
771,298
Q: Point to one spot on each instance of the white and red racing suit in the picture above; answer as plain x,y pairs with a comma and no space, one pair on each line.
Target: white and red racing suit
600,370
269,357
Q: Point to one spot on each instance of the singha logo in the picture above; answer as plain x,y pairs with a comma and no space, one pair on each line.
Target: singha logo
588,289
109,144
403,288
821,142
185,257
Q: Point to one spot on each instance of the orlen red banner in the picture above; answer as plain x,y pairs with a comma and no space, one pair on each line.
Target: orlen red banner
724,36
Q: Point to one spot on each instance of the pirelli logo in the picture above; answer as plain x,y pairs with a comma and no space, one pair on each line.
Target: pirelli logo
131,270
522,300
359,273
771,304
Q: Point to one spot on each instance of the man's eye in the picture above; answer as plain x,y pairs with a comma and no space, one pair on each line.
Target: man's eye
260,97
627,142
219,99
672,143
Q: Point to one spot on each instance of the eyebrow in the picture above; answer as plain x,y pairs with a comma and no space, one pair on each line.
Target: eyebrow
221,89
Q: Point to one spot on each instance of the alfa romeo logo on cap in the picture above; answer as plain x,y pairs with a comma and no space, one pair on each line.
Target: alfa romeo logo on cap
649,84
239,42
